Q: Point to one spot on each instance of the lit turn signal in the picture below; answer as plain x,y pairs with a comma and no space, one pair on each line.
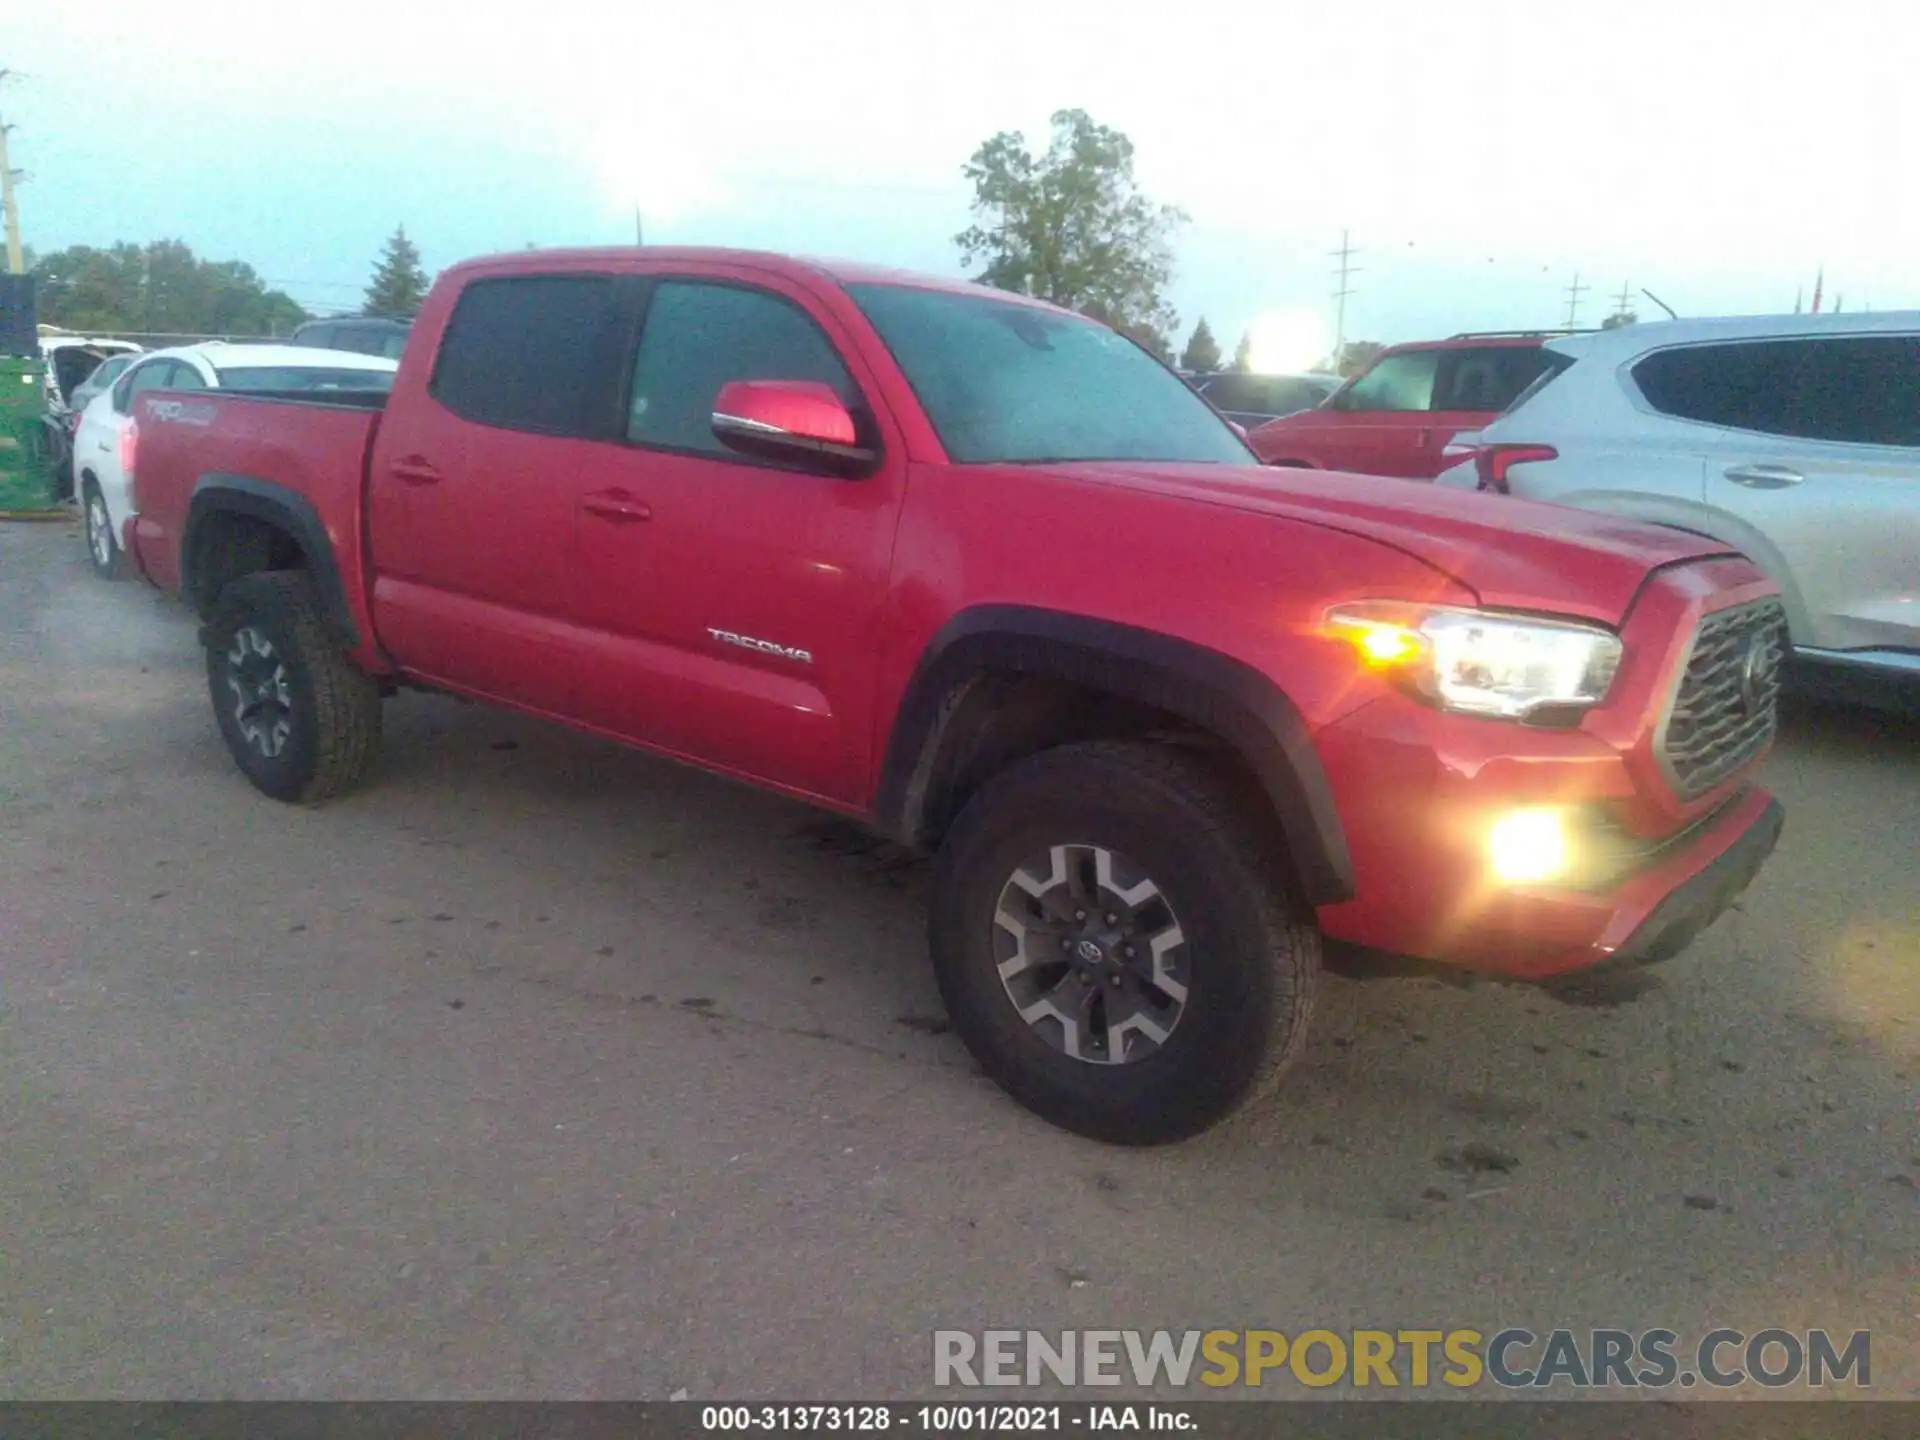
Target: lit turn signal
1381,643
1480,662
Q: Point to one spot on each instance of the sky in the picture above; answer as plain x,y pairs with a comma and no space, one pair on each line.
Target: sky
1482,155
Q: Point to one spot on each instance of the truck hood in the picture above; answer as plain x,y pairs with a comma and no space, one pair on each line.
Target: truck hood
1513,554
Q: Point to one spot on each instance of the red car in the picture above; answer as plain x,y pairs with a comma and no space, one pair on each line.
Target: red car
1398,415
986,576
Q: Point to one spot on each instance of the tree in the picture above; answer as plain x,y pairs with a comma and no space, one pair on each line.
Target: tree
1202,354
1619,318
1243,354
161,288
1354,357
1156,342
1072,227
399,284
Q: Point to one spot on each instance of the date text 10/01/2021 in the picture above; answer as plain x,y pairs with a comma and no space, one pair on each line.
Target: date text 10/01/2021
947,1419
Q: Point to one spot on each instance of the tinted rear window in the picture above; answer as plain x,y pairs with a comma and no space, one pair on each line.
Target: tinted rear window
1488,378
1862,390
1555,365
532,353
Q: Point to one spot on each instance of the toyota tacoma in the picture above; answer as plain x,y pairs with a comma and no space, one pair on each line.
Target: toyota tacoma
986,576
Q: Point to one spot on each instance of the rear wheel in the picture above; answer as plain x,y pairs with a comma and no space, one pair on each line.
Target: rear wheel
102,548
300,719
1117,944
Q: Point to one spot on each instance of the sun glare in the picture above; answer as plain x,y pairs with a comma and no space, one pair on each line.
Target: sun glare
1288,342
665,183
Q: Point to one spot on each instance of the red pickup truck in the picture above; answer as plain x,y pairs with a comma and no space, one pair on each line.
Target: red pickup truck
987,576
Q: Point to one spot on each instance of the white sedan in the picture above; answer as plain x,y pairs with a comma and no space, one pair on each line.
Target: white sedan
103,447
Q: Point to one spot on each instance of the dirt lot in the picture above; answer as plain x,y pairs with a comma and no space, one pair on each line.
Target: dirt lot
542,1068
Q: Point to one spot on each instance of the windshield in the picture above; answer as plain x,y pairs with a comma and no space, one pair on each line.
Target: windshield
304,377
1007,383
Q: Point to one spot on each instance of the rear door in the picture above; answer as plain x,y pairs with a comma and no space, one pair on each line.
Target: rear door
1815,444
1471,387
473,481
732,605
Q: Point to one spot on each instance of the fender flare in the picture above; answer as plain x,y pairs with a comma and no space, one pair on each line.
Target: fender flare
284,509
1216,692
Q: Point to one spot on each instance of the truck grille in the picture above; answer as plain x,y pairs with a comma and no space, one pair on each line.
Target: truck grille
1723,715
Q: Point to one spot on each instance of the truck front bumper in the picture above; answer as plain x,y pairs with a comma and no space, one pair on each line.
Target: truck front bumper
1541,932
1696,902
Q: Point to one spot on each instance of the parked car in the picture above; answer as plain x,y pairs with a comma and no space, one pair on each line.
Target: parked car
988,577
365,334
1253,400
102,378
77,366
1794,439
71,360
1397,416
108,433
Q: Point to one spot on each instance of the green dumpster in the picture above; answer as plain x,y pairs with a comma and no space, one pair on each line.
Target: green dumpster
26,482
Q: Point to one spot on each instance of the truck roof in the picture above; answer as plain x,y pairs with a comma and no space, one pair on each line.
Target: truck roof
841,272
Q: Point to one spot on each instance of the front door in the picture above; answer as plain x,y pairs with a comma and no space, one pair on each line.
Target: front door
733,605
1383,421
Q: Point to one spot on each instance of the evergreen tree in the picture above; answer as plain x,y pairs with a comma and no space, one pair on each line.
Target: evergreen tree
399,284
1202,354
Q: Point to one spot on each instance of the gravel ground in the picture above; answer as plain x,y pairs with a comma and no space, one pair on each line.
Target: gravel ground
545,1069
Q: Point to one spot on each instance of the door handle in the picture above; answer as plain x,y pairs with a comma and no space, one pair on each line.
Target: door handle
414,470
1764,477
617,506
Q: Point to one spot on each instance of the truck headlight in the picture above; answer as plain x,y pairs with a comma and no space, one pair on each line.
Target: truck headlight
1479,662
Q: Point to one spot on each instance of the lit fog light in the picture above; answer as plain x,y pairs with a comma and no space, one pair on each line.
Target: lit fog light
1530,846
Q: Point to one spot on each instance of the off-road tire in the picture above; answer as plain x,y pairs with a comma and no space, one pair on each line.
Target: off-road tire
333,708
1253,956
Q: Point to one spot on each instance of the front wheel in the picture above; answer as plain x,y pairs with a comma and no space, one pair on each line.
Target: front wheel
300,719
1116,942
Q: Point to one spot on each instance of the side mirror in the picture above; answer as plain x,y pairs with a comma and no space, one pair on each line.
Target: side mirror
797,421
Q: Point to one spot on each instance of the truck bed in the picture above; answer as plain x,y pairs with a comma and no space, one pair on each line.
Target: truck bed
307,448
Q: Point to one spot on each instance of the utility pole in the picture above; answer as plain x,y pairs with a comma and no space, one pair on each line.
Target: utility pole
1625,299
1574,292
639,235
9,203
1346,272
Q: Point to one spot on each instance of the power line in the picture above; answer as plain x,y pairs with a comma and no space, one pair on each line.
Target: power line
1346,272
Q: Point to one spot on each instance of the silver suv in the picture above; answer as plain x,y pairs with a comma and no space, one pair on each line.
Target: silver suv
1795,439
